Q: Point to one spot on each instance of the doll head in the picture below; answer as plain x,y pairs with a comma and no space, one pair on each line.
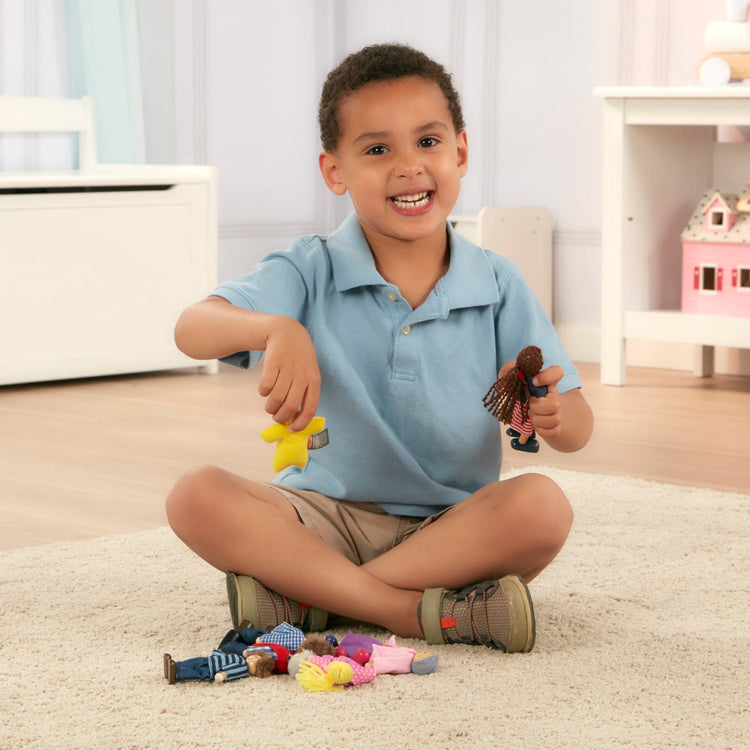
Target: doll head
530,361
512,387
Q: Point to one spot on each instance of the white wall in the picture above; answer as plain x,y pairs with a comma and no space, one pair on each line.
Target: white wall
33,62
247,77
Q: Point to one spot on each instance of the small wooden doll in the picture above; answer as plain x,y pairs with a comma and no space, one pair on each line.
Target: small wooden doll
508,399
219,667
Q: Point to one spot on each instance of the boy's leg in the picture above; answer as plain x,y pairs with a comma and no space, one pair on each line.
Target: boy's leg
249,528
515,526
473,590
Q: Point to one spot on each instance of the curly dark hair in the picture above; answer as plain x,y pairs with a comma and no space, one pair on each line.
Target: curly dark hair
379,62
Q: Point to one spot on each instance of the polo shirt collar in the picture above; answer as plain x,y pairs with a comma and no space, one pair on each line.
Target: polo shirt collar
469,282
351,260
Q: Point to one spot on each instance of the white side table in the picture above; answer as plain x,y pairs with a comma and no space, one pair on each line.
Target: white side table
660,154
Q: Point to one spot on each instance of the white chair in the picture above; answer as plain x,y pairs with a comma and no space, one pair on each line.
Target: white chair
524,235
109,255
31,114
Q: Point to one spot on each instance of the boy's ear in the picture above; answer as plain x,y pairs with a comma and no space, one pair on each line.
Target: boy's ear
331,171
462,152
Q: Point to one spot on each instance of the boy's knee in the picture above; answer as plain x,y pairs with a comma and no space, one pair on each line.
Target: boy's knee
191,497
552,509
545,508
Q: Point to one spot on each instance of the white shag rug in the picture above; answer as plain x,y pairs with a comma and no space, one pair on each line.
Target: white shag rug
643,641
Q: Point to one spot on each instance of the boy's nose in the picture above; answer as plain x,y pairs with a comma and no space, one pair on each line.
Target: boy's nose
410,168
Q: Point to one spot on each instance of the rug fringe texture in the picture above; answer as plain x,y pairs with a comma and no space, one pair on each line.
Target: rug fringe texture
643,641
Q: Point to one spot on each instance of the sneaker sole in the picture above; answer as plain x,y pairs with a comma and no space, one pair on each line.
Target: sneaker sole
522,612
243,603
235,599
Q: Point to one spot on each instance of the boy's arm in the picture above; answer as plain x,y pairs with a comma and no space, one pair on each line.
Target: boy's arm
290,379
564,420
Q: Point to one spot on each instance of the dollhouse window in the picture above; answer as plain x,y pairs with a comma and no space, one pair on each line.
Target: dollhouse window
709,279
743,278
717,219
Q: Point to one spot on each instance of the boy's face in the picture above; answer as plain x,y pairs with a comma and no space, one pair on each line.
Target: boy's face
399,158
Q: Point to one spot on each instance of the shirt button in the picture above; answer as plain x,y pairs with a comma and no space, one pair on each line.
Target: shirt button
406,330
391,296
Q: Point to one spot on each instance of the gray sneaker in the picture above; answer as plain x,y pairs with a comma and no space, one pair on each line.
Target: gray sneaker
498,614
251,602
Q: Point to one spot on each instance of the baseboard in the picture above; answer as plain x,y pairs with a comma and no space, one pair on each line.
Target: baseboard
582,342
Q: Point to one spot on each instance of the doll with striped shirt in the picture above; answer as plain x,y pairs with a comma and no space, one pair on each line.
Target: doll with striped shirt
508,399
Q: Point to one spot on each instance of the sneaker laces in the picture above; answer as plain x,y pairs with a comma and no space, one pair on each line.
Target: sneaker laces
476,616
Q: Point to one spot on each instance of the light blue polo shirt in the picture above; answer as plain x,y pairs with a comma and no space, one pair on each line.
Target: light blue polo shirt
401,389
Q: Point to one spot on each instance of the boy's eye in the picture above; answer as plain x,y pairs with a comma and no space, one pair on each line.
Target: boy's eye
377,150
428,142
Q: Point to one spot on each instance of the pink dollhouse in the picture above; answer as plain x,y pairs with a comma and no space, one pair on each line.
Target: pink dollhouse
716,256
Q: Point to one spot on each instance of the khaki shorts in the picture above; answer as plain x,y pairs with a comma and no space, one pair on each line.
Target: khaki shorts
359,531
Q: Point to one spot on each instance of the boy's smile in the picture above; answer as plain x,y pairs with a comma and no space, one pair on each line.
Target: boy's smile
408,203
400,160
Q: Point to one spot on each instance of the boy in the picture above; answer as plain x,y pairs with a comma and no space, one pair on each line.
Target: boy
394,327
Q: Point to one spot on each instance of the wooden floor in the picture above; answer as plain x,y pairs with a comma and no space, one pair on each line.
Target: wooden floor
88,458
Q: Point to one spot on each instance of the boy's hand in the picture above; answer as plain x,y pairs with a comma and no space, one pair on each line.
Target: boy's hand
564,420
563,433
290,378
545,412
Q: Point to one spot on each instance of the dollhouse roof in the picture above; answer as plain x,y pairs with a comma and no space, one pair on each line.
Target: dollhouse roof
695,231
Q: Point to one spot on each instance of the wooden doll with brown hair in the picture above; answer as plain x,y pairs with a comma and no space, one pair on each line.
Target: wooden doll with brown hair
508,399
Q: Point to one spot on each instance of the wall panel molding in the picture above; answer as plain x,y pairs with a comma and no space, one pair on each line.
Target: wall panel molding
31,77
457,43
457,63
243,238
200,82
330,45
577,238
337,207
627,42
490,113
662,12
267,229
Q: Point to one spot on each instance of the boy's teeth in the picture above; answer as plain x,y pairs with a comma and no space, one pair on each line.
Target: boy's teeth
412,200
